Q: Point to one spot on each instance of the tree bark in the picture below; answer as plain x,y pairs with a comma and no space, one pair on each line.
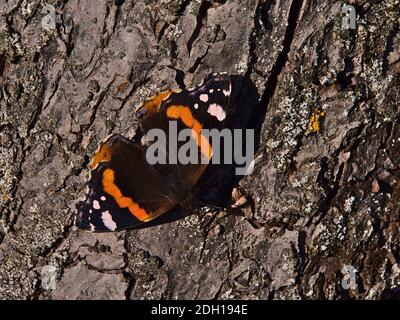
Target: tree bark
326,184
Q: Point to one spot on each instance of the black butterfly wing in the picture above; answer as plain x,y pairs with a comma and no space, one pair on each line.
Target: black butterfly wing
209,101
124,190
206,106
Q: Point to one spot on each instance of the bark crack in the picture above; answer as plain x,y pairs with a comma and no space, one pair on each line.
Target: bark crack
201,16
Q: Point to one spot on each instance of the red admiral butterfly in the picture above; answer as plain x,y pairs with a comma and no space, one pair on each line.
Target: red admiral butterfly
124,190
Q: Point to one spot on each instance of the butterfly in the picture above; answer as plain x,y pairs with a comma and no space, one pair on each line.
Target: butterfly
124,189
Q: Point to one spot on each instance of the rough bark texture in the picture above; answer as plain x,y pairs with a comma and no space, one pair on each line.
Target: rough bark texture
324,199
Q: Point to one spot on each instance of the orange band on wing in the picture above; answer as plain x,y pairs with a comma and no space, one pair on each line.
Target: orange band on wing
153,105
103,154
184,114
123,202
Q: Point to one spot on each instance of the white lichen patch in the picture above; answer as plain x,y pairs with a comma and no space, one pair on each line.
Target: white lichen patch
348,204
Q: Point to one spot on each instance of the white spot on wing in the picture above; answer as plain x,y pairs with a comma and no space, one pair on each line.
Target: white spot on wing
227,92
103,198
96,205
204,97
211,90
91,226
216,111
90,210
196,106
108,221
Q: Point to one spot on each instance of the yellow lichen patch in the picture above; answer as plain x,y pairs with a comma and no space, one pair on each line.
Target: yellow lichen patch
316,120
4,196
